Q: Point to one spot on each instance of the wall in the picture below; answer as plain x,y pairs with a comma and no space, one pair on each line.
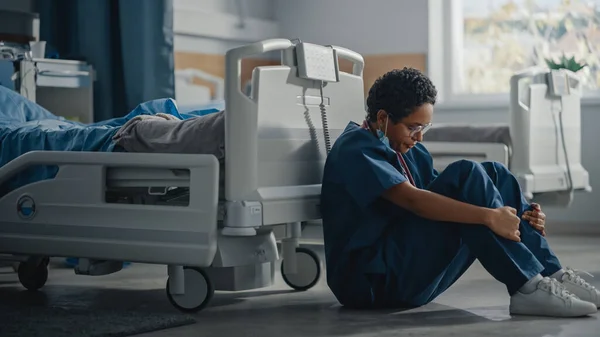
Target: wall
373,30
206,29
19,6
16,5
211,26
400,26
367,27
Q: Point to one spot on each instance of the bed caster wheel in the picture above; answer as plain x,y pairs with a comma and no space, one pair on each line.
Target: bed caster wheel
197,294
308,270
33,274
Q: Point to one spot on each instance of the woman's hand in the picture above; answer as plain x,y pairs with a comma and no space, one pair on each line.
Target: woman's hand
505,223
536,218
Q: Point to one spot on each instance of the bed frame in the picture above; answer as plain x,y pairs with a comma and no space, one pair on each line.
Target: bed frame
273,168
543,104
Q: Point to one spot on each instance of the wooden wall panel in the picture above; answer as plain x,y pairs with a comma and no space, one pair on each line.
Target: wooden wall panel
375,65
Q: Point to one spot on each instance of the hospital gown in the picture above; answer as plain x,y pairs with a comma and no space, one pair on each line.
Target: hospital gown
380,255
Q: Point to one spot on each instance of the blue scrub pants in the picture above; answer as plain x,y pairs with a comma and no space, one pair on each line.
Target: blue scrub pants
433,255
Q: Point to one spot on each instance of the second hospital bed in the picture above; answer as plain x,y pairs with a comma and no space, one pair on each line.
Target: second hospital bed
541,144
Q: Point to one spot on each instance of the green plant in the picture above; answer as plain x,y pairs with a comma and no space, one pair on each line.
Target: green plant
565,63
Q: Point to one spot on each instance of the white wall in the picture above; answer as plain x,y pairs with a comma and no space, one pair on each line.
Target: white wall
213,26
262,9
396,26
367,27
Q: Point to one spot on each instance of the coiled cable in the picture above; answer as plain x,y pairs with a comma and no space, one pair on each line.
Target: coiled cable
324,121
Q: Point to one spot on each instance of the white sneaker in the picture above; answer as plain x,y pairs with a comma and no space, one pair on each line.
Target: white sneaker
550,298
578,286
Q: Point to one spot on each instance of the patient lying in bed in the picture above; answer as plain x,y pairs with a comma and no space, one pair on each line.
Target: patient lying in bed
153,126
166,133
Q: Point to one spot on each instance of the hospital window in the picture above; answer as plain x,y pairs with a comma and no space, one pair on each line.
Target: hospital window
490,40
501,37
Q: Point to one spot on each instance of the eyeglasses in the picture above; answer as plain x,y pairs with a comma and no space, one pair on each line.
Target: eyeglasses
418,128
414,129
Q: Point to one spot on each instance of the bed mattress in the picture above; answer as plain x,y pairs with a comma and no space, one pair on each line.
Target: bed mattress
485,133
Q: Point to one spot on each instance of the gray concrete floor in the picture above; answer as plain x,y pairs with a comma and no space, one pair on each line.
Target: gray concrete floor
475,306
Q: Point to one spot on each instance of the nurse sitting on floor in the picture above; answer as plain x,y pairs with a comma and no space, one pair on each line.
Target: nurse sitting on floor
398,234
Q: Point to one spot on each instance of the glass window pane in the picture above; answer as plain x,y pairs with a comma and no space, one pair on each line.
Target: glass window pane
505,36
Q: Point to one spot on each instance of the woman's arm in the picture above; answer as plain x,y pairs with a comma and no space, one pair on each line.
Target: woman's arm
502,221
437,207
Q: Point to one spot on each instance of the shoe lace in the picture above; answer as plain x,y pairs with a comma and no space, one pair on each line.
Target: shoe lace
573,276
556,288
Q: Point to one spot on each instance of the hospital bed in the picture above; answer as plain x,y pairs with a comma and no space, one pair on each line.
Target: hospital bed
155,208
541,145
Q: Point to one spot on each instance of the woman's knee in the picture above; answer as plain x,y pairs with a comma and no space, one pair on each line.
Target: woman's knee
466,166
470,164
495,166
463,163
454,175
499,173
493,169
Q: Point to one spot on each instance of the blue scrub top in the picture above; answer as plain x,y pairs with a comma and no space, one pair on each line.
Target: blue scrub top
358,169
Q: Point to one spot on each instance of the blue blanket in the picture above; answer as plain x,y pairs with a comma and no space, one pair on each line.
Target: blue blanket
26,126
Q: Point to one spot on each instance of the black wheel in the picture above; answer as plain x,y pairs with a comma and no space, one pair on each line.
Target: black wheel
198,291
33,274
308,270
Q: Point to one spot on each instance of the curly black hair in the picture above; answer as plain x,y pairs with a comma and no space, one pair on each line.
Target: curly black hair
399,93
